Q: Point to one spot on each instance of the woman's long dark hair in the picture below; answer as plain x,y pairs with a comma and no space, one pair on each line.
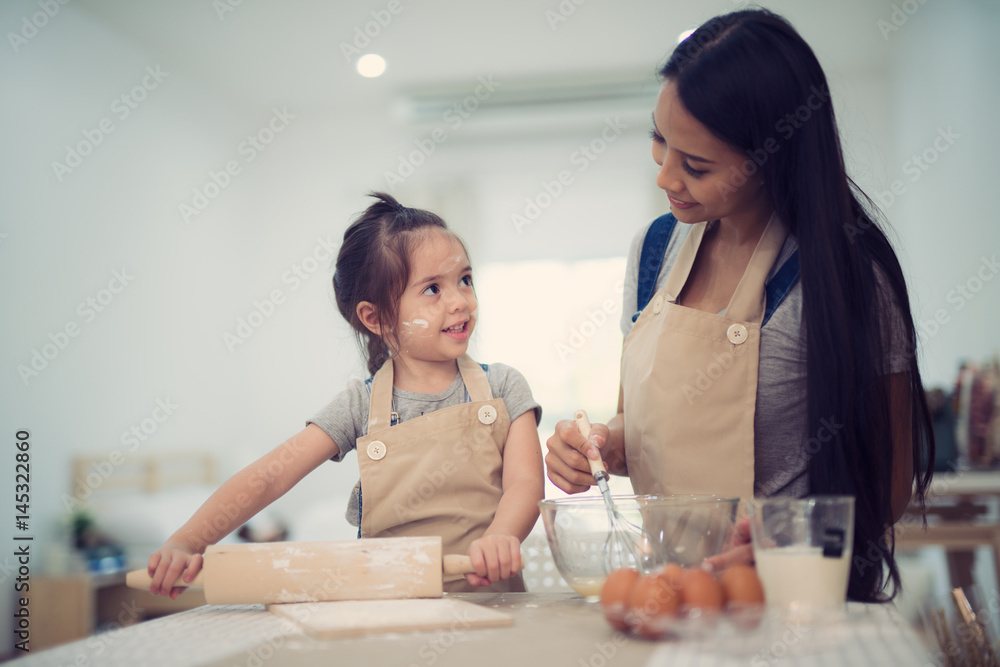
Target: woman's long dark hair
753,82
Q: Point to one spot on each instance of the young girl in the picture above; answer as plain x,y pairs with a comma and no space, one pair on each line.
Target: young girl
445,446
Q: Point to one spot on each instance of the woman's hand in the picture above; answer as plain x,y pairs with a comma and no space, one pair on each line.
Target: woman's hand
167,564
739,553
566,461
495,557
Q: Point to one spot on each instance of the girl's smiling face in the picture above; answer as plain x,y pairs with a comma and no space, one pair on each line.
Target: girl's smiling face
702,175
437,312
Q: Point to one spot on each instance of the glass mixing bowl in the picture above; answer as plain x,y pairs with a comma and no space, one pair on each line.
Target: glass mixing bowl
651,532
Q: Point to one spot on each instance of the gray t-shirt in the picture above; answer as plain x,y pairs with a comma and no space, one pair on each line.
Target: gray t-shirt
345,418
780,420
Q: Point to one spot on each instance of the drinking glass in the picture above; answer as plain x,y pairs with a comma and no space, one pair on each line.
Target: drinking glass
803,552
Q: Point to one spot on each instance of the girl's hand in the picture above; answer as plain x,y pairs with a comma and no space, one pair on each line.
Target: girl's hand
739,553
495,557
167,564
566,461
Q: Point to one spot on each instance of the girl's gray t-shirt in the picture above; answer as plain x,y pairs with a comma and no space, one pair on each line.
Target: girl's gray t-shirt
781,441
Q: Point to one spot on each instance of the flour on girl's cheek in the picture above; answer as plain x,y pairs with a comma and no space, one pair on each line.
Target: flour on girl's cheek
414,329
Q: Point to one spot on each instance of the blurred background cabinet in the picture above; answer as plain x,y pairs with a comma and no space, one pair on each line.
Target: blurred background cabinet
69,607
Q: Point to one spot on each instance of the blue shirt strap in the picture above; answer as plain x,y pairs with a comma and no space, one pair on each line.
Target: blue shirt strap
654,249
780,285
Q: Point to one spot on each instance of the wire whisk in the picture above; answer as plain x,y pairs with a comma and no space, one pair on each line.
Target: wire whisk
626,545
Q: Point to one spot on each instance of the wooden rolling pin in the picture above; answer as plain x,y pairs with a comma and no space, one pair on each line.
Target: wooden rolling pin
370,569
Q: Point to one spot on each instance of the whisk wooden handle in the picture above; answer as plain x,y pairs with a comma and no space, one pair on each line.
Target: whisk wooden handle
597,468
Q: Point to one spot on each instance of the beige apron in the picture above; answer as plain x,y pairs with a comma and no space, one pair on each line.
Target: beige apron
437,474
689,382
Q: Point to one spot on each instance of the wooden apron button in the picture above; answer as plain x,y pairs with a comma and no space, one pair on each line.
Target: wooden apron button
376,450
658,304
487,414
737,334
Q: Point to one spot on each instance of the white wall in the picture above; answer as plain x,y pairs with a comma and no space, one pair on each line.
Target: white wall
161,337
944,77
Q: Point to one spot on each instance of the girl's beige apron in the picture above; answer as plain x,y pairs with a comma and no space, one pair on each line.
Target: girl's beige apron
437,474
689,382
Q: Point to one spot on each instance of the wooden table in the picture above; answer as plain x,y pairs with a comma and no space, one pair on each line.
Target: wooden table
551,629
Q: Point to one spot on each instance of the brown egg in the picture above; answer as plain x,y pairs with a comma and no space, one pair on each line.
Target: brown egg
741,586
674,574
615,596
652,599
700,590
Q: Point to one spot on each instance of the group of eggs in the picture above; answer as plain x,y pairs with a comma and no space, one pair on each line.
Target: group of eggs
646,603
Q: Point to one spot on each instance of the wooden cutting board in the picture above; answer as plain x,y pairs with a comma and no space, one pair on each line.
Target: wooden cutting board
358,618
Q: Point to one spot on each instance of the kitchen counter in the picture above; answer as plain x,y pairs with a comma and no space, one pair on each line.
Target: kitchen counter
550,629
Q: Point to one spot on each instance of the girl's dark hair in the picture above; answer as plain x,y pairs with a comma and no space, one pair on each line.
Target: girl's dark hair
373,265
754,83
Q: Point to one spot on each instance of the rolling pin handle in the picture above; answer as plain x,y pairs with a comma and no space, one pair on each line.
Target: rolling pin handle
458,564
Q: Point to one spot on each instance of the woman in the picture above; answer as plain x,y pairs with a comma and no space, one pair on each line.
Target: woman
769,244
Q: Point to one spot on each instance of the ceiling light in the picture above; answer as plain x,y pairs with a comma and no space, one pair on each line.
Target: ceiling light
371,65
684,35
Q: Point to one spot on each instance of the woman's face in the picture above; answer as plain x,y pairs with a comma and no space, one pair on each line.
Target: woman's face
704,177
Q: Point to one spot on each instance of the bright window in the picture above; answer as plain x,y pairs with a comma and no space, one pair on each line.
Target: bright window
557,322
